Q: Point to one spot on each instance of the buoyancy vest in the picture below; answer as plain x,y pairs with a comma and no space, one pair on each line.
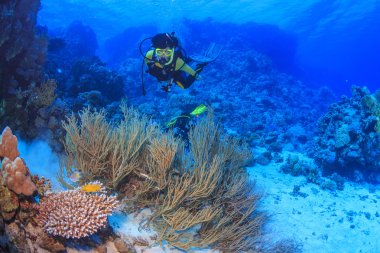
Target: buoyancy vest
161,71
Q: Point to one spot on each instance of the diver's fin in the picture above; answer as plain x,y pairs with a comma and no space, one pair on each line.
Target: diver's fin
213,51
210,55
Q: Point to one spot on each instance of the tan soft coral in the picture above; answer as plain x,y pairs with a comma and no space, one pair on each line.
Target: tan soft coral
16,177
8,144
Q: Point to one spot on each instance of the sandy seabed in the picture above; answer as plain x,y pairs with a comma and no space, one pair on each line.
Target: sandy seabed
322,221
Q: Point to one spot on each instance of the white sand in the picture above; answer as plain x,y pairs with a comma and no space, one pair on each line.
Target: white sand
320,221
128,228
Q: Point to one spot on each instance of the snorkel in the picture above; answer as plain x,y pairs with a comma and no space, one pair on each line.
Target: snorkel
162,55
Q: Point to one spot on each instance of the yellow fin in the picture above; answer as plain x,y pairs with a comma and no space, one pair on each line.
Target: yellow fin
199,110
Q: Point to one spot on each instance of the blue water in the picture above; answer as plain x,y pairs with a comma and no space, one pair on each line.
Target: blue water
297,81
333,43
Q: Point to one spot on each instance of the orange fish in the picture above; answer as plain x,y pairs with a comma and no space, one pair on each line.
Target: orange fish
90,188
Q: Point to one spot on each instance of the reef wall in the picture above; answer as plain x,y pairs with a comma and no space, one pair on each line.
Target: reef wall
22,54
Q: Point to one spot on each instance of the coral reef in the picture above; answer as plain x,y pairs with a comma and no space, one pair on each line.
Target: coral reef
100,151
255,101
17,177
296,166
9,203
43,95
200,197
15,174
20,230
74,213
17,207
20,46
22,54
25,91
8,144
266,107
348,141
92,74
72,61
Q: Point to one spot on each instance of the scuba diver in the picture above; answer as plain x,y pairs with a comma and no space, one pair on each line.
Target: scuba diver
182,124
167,61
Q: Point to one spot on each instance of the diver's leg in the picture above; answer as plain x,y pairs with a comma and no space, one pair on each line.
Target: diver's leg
184,80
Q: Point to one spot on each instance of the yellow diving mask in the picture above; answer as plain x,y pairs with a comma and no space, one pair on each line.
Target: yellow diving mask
164,52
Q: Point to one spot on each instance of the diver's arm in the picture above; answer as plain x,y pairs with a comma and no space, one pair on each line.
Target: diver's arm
148,56
181,65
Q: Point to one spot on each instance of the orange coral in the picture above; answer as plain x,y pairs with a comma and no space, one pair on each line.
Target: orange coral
75,213
16,177
8,144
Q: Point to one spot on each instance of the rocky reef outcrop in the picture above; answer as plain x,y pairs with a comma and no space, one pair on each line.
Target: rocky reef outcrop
22,54
348,138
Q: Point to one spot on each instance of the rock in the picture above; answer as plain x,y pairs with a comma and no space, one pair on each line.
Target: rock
101,249
263,159
16,238
2,228
123,247
53,123
41,240
8,203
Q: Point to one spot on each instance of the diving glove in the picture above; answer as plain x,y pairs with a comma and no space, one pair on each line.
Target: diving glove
199,67
166,88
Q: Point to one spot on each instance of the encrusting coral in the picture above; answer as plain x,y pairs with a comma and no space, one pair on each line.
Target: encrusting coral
74,213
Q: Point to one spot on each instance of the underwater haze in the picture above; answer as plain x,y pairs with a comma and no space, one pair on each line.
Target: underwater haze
170,126
335,42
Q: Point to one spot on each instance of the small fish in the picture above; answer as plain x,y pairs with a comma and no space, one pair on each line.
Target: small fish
199,110
75,176
37,198
171,122
92,187
174,120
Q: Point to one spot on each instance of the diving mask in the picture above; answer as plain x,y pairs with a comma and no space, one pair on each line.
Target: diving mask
164,52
